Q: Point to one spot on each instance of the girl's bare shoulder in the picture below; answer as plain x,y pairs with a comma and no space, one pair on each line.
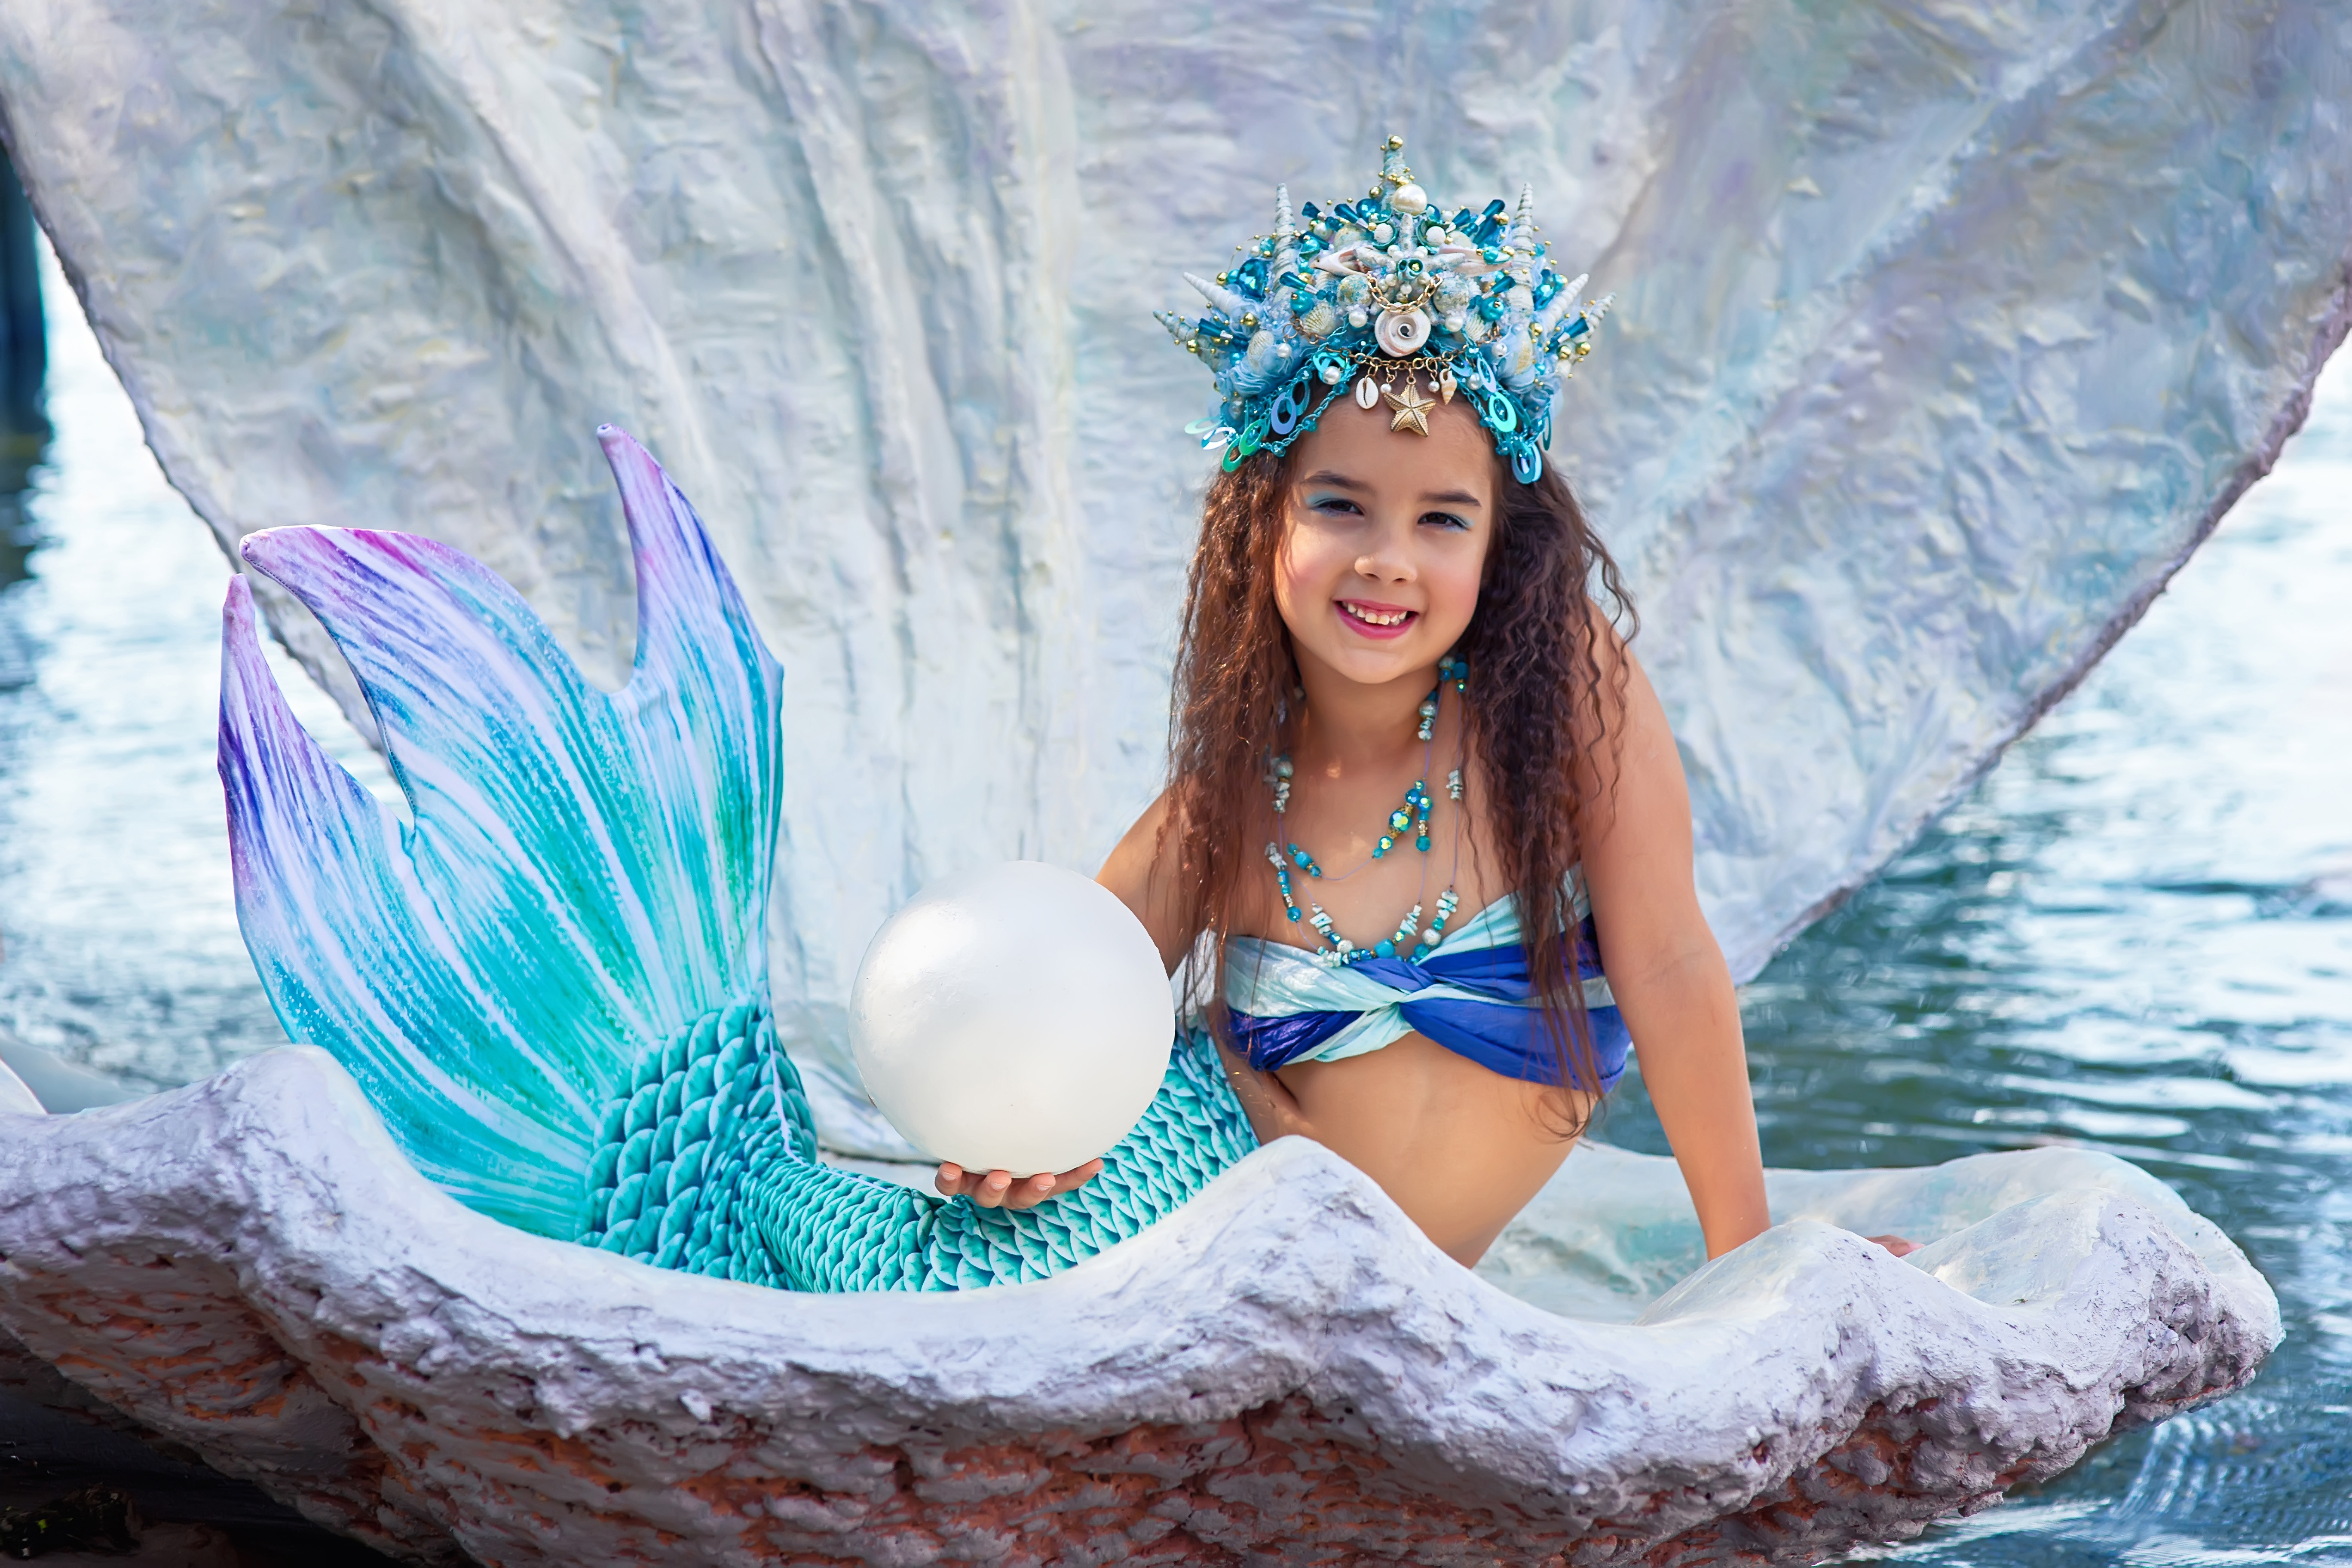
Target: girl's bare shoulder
1141,869
1138,852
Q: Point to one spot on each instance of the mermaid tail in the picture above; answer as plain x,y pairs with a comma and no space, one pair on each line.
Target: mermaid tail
551,980
827,1229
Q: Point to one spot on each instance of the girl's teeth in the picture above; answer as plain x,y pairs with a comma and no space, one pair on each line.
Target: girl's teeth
1377,618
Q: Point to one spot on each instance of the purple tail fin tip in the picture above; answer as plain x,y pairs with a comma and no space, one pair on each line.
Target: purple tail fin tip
581,873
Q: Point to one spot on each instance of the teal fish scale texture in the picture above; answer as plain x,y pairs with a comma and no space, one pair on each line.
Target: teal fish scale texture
714,1101
706,1161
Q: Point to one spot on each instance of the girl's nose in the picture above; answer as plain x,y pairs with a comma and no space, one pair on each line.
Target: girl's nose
1387,561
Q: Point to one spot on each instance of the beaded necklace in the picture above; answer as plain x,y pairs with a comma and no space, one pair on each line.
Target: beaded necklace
1332,950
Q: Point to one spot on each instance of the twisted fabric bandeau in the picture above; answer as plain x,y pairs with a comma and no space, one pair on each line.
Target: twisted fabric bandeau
1475,997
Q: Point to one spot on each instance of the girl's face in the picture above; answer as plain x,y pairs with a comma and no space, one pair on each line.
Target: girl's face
1387,535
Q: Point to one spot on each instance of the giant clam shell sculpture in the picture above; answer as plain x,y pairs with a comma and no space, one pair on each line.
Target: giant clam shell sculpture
1284,1371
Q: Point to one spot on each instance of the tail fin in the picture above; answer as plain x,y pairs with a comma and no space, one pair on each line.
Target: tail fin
583,875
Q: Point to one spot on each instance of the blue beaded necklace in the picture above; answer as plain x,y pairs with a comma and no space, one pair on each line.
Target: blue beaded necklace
1332,950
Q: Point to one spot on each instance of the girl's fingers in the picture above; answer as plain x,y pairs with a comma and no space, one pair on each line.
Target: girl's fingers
997,1189
1043,1186
1900,1246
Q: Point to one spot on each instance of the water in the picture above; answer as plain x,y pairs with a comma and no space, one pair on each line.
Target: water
2136,935
121,943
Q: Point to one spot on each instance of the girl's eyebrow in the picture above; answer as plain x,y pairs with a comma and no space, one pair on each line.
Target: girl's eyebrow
1443,498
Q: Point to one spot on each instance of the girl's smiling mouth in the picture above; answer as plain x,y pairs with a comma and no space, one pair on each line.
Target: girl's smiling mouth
1376,620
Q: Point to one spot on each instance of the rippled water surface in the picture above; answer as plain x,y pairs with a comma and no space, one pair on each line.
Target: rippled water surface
121,949
2136,934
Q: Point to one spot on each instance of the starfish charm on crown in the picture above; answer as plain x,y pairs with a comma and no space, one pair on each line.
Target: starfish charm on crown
1411,407
1384,292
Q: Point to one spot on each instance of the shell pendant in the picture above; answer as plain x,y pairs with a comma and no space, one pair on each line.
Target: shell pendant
1402,333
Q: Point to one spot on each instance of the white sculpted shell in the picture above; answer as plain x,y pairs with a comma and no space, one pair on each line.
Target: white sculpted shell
1401,333
2058,1288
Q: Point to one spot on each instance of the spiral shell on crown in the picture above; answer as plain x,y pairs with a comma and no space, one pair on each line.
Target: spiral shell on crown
1402,333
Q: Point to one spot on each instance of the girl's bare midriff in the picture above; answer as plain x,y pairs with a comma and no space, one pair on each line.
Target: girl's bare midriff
1460,1148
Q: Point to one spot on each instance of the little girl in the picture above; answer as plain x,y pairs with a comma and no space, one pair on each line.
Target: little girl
1425,823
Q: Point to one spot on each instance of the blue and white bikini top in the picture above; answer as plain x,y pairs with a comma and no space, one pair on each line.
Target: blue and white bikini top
1471,997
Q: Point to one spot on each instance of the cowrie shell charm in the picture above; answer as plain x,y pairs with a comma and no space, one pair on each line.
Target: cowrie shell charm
1367,394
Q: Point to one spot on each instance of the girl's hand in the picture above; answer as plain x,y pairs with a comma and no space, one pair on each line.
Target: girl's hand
1901,1246
1271,1109
998,1189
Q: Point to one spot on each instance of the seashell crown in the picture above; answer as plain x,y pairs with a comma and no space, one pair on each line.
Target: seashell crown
1381,294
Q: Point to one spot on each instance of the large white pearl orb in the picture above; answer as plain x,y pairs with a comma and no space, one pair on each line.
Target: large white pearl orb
1013,1019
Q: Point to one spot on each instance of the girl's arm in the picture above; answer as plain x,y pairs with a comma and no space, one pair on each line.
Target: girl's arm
1137,873
1140,870
1664,966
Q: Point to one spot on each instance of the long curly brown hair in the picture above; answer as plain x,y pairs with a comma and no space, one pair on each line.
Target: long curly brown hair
1538,705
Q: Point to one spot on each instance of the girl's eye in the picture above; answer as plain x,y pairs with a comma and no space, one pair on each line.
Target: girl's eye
1339,505
1442,519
